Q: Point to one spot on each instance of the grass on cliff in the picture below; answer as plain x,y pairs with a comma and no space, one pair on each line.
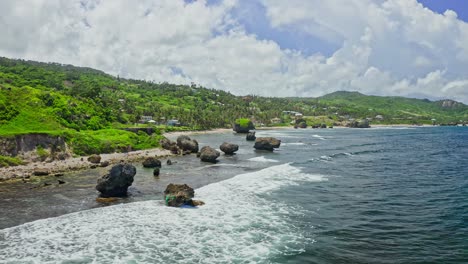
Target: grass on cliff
9,161
110,140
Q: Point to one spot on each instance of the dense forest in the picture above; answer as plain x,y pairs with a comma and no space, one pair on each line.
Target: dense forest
83,102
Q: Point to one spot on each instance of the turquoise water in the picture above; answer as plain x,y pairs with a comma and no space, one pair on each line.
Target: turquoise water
386,195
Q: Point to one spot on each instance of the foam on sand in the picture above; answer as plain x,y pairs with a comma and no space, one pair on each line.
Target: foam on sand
237,224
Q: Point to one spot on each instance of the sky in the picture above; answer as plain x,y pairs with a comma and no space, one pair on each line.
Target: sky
264,47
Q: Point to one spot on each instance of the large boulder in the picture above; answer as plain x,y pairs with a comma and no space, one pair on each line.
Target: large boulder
96,159
250,136
267,143
151,162
364,123
209,154
169,145
177,195
229,148
187,144
117,181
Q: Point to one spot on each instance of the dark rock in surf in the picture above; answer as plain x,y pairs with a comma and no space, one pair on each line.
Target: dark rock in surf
250,136
209,154
151,162
117,181
228,148
267,143
187,144
156,172
177,195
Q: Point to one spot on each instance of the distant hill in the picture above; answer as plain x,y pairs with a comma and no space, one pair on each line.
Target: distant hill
52,98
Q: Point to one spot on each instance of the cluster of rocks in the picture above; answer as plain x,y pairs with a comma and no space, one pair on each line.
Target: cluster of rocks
183,145
120,177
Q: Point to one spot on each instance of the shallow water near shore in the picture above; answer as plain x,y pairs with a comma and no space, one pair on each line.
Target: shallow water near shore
326,196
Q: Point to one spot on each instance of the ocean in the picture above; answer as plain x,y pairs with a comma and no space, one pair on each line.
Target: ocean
379,195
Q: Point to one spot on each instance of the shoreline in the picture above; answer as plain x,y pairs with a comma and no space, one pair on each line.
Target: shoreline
80,163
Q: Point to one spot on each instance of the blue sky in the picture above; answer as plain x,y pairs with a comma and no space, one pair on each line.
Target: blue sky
439,6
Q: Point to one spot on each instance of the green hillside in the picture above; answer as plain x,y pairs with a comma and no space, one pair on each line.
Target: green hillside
89,106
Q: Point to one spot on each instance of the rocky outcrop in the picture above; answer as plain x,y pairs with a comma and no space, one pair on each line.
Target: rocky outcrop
41,172
151,162
302,125
250,136
267,143
169,145
177,195
228,148
364,123
117,181
35,147
186,144
96,159
209,154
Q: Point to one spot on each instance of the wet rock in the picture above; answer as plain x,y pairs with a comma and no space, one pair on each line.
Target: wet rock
197,203
229,148
61,182
104,163
156,172
58,174
41,172
177,195
251,136
187,144
117,181
169,145
96,159
94,166
209,154
267,143
151,162
106,200
169,162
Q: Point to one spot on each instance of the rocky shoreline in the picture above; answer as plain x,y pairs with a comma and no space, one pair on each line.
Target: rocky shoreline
58,167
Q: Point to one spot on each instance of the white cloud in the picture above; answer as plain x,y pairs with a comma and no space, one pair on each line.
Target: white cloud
387,47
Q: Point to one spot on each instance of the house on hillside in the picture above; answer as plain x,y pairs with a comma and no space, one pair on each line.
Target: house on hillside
379,117
276,120
173,122
145,119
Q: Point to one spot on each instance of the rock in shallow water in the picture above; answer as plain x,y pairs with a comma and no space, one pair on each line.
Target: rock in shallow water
250,136
229,148
117,181
267,143
209,154
177,195
151,162
187,144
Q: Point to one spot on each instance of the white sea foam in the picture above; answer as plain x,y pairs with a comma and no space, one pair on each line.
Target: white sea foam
293,144
319,137
262,159
237,225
